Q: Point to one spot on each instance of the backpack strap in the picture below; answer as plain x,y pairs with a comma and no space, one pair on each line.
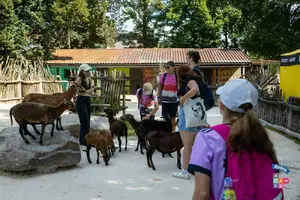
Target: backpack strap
163,81
223,130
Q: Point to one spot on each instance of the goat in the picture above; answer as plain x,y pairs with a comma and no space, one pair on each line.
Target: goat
148,125
52,100
117,128
94,139
111,145
135,125
36,113
163,142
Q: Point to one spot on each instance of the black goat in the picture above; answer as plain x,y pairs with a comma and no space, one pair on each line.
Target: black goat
148,125
117,127
164,143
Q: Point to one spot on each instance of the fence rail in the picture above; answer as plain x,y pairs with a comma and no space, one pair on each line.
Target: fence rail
280,114
14,91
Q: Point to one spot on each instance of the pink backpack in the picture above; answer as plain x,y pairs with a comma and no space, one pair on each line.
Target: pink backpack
252,173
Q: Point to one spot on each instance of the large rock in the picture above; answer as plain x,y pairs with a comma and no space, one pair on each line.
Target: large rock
60,151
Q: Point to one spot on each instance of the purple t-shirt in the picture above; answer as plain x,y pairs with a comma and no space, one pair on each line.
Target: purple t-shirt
208,156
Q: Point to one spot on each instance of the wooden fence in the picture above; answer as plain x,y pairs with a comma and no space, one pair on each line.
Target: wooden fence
280,114
110,91
14,91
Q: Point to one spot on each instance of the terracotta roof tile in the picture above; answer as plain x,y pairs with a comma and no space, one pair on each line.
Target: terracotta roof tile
209,56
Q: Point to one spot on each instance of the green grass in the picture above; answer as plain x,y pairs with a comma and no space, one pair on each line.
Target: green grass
296,140
131,131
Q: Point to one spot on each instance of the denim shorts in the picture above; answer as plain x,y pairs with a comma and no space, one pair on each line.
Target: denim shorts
182,126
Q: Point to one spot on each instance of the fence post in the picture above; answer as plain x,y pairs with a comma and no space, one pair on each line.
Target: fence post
290,119
41,86
19,86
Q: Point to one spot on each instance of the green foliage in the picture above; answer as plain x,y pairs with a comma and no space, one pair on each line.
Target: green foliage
37,28
193,25
147,16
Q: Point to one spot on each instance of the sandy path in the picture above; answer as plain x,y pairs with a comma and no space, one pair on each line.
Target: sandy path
127,176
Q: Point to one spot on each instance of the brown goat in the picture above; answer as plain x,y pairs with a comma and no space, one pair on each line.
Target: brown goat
36,113
94,139
117,127
52,100
110,139
163,142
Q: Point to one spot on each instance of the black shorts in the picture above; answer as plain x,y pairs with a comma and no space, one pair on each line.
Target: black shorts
171,108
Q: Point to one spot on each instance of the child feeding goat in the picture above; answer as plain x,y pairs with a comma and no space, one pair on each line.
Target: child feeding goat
95,139
164,143
36,113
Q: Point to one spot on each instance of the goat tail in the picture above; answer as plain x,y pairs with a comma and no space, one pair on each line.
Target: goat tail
10,114
147,144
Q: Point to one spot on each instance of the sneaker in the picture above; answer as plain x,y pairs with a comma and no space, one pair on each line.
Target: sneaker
182,175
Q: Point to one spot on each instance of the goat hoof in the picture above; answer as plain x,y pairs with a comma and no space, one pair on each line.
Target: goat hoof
27,142
41,143
136,150
98,162
153,168
125,148
120,150
179,167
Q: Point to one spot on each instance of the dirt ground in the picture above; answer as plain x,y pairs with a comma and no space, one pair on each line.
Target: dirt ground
127,176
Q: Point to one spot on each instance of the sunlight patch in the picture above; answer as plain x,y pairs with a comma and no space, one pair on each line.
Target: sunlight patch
113,182
136,188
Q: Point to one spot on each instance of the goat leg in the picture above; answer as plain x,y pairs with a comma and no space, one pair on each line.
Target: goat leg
141,147
148,158
151,152
126,142
52,129
22,135
57,128
119,140
137,146
97,155
60,126
27,132
178,159
88,148
35,129
42,133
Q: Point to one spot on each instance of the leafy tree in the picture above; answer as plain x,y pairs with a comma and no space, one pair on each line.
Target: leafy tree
12,30
192,25
146,16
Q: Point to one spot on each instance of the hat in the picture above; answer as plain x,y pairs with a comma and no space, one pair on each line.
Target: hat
84,67
147,88
170,63
237,92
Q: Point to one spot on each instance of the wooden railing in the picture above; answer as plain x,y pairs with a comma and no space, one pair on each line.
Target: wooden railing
279,113
14,91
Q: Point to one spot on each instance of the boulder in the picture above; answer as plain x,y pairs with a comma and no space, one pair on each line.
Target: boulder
60,151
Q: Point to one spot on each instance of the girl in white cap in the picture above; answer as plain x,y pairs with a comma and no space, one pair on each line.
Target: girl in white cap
83,101
239,148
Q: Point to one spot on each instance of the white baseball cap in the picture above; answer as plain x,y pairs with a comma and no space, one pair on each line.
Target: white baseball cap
147,87
237,92
84,67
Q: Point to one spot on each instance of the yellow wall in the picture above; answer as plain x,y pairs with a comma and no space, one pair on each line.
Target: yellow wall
126,70
289,78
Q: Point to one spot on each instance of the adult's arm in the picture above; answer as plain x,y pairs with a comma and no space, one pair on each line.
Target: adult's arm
194,89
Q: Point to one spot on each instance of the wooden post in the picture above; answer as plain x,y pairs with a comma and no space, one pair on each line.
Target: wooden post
123,95
19,87
41,86
217,76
